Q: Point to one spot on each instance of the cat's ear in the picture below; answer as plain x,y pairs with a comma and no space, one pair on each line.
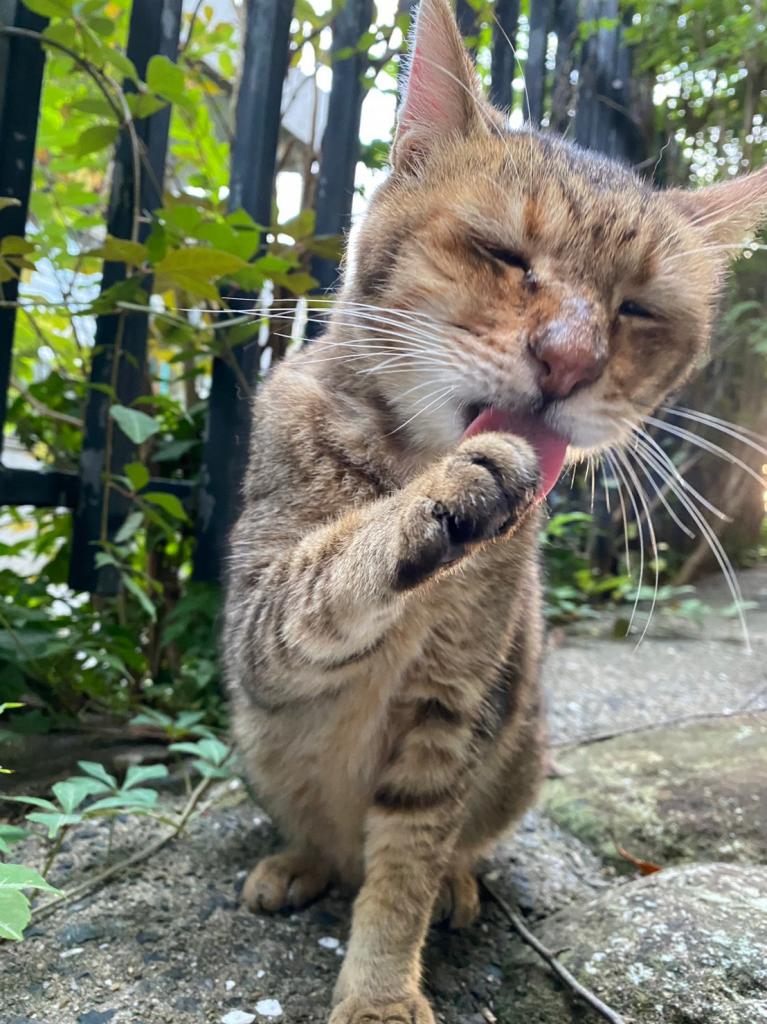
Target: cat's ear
727,213
441,94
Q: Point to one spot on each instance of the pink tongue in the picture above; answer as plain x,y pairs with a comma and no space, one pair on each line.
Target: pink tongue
550,446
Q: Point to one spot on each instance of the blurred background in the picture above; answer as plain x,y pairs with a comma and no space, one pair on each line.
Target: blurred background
175,175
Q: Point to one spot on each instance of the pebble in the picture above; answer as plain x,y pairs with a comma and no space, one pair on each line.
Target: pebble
269,1008
71,952
229,985
328,942
238,1017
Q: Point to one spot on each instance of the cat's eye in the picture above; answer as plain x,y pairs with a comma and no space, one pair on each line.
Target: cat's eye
508,256
633,309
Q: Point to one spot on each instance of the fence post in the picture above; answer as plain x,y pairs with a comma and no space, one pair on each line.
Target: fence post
119,360
22,61
253,160
340,143
541,16
503,61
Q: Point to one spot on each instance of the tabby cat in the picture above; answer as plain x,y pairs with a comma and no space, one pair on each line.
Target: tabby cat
510,303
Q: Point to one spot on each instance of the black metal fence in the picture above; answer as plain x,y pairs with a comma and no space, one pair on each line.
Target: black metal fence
121,342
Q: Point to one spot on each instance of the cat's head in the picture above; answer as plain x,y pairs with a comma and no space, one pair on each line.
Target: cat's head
539,278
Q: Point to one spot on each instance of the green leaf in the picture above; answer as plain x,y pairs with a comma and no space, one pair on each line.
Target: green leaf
185,747
169,503
196,267
129,527
137,474
137,425
14,245
133,798
71,793
15,914
17,876
54,822
213,750
141,596
138,773
98,771
50,8
143,105
166,78
34,801
94,138
121,250
10,834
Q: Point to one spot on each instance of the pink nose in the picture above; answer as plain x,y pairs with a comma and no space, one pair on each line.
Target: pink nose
570,350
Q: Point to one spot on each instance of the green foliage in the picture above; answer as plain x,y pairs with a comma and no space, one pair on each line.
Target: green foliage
15,912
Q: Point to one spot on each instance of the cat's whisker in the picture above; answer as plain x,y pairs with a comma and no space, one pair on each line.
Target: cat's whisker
706,445
650,441
624,459
441,395
618,467
659,489
716,423
714,543
606,487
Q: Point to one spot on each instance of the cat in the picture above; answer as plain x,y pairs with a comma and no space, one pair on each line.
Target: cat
509,303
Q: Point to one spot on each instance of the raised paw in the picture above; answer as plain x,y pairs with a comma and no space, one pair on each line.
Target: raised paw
458,901
285,881
480,491
409,1010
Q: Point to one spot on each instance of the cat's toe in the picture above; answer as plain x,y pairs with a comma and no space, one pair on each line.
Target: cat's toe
458,901
355,1010
284,881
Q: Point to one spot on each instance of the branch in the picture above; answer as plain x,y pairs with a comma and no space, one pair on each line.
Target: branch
562,972
98,880
703,716
42,408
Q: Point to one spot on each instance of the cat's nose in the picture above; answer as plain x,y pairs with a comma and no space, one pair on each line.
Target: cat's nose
570,351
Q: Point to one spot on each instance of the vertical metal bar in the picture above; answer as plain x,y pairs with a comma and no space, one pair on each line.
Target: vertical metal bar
503,63
566,28
120,354
340,143
541,16
22,61
254,154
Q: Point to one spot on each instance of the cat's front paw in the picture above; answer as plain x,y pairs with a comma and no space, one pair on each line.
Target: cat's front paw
409,1010
478,492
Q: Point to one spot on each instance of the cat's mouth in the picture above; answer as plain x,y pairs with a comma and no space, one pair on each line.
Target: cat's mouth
550,446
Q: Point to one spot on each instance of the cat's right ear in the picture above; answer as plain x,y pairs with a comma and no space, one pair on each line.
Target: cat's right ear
441,96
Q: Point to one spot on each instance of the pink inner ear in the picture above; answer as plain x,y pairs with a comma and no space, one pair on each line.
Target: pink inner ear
422,100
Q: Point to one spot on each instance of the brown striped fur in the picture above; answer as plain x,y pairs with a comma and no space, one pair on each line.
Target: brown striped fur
383,622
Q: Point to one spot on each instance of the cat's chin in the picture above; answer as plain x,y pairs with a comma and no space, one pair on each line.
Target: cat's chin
550,446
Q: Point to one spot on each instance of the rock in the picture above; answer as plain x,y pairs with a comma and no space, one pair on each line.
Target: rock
687,945
96,1016
269,1008
238,1017
684,793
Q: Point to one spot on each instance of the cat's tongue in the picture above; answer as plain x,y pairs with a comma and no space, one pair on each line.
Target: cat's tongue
550,446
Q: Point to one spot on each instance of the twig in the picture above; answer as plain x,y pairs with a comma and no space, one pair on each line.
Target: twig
562,972
96,881
703,716
42,408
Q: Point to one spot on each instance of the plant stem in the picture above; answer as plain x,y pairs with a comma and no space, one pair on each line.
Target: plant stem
136,858
54,851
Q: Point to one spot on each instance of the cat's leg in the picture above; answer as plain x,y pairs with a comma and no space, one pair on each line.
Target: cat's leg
286,880
407,852
302,619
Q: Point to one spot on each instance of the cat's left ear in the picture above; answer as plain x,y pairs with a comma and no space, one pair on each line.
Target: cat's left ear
727,213
441,95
